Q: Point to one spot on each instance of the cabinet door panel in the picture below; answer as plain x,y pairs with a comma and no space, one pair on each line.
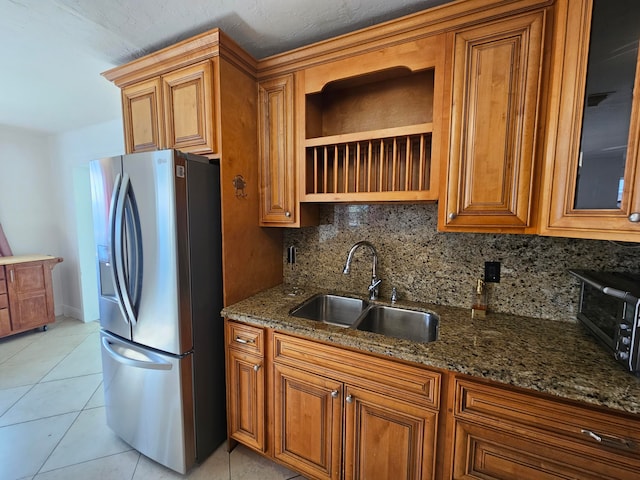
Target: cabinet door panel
307,422
496,77
30,295
5,322
387,439
277,163
246,399
611,208
142,112
189,112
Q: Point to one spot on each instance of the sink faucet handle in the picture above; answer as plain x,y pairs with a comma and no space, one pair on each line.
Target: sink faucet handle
394,295
373,288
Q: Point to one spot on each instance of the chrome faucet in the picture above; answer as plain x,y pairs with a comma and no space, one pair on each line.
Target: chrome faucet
375,281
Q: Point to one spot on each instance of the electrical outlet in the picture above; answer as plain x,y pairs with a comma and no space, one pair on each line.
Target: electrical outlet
492,272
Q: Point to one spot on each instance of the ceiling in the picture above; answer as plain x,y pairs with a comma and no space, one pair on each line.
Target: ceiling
52,52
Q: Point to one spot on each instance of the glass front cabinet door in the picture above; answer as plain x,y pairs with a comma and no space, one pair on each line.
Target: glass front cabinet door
593,174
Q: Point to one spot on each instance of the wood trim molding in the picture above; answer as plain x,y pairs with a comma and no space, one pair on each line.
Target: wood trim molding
201,47
412,27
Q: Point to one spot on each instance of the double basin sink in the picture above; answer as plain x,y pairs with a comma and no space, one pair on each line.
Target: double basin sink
359,314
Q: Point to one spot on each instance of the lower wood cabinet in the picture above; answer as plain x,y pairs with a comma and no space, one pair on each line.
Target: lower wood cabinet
331,413
245,385
342,414
502,434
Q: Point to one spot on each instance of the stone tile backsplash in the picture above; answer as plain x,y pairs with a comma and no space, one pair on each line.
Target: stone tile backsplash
436,267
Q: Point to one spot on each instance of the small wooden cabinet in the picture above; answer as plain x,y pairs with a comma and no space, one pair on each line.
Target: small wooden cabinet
171,111
245,384
496,77
26,293
500,433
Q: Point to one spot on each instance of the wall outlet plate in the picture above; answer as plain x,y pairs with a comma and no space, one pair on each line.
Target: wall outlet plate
492,272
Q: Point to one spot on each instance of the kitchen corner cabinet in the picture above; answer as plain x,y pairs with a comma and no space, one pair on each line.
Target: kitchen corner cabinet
333,410
496,79
174,110
593,144
501,433
246,384
26,293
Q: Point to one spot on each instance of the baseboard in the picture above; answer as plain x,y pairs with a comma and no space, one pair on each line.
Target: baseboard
72,312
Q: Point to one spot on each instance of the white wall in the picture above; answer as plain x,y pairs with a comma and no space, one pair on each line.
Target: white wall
70,154
39,192
28,211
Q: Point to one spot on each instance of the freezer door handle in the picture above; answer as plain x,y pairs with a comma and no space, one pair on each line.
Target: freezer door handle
154,362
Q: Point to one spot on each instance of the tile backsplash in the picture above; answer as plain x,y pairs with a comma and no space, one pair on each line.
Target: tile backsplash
436,267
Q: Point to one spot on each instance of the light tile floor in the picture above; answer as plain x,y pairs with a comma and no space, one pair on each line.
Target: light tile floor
52,419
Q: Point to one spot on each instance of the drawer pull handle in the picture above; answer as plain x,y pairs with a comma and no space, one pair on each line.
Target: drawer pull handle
334,394
609,440
595,436
244,341
349,399
11,275
256,367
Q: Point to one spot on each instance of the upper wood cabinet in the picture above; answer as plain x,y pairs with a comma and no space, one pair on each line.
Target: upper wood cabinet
593,145
371,125
142,115
496,78
175,110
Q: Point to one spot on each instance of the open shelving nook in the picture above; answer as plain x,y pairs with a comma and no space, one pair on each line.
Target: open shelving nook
369,138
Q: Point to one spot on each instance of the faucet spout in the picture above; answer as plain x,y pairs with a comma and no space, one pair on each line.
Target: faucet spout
375,281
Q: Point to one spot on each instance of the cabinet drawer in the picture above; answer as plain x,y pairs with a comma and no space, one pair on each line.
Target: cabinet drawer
2,274
388,377
4,301
3,286
493,453
244,337
614,432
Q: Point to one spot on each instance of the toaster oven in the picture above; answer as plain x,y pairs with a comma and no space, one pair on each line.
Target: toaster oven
610,309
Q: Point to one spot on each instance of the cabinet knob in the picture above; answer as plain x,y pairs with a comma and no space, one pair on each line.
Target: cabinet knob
452,215
287,214
256,367
634,217
349,399
334,394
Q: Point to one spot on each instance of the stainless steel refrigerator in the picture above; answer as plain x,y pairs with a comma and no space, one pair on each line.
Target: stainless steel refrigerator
158,243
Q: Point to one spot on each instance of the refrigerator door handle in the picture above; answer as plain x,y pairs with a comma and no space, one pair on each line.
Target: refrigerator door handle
119,250
114,239
155,362
134,250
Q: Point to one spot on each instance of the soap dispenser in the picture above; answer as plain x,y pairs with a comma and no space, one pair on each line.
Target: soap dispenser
479,305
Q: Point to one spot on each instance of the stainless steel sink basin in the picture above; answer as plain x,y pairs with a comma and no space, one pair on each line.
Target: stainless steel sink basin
332,309
400,323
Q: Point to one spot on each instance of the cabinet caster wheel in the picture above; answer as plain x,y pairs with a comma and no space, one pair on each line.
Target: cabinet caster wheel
44,328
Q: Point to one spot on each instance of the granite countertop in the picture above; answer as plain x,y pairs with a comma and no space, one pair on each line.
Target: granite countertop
555,357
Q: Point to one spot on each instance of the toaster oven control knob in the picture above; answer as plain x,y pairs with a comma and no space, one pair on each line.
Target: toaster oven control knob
622,356
625,341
